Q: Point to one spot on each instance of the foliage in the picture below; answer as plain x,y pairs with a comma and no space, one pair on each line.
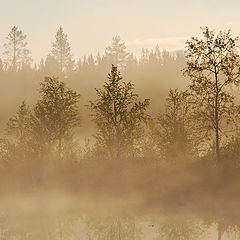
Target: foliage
61,51
117,54
213,65
118,115
112,227
17,125
55,114
49,122
173,128
181,229
17,55
18,129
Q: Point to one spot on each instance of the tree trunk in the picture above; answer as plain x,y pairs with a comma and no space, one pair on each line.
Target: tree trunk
217,132
61,61
61,55
217,119
14,52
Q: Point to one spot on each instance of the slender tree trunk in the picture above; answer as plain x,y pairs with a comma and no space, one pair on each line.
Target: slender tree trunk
217,141
61,61
116,123
217,119
219,227
61,55
217,130
14,52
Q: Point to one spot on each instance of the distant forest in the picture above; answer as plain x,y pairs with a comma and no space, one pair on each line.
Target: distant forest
162,129
153,73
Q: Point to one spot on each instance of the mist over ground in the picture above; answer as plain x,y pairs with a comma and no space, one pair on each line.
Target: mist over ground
116,146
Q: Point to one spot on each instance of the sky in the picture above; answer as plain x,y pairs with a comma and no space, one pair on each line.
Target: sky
91,24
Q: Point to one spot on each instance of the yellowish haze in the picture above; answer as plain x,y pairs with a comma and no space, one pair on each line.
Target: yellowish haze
90,25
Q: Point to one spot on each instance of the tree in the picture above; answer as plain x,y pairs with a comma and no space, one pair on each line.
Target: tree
118,115
179,228
15,50
17,125
1,66
112,226
61,51
213,66
55,114
173,128
117,53
51,67
18,128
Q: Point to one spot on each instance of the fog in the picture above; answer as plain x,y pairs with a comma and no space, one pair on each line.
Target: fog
119,146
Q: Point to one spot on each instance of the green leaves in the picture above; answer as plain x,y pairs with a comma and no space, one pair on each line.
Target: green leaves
49,122
173,128
117,114
213,65
17,125
56,113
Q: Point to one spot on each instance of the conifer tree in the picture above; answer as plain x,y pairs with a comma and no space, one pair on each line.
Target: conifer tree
16,51
61,51
17,125
116,53
118,115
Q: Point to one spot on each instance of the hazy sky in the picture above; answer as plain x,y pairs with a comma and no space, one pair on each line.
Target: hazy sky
91,24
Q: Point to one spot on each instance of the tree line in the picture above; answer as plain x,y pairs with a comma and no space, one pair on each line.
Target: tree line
153,68
199,126
16,55
197,121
